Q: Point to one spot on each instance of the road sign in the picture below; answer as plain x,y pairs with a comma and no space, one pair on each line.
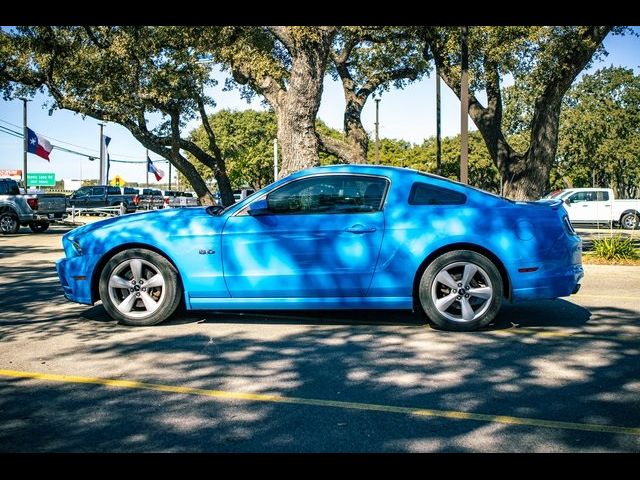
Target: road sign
41,179
117,181
11,174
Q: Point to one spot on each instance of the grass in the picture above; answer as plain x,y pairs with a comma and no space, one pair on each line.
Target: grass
615,247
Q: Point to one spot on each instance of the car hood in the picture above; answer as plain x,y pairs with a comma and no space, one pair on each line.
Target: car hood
167,221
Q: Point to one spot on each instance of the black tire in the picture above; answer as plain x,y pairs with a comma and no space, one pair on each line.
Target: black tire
168,297
630,221
39,227
9,223
450,314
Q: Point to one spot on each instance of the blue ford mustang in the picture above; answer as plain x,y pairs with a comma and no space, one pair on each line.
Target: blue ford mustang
333,237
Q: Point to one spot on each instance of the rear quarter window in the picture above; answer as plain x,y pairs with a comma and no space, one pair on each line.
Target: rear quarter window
424,194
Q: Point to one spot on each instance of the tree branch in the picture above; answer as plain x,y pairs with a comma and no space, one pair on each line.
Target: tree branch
282,34
376,80
333,146
94,39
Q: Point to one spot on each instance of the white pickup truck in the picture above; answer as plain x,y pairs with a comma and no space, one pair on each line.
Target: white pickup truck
598,205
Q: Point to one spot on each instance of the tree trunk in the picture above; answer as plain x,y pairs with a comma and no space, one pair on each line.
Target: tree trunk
196,181
297,136
296,111
353,149
357,137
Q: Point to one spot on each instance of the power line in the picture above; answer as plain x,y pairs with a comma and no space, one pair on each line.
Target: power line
13,133
75,145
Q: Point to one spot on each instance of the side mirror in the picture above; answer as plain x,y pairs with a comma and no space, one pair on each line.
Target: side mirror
258,208
567,201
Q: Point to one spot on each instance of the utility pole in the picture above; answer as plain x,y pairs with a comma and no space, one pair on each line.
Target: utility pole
464,107
275,159
377,132
169,174
25,134
101,182
438,125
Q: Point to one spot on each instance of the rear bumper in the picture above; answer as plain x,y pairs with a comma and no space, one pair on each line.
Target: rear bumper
547,283
75,279
41,217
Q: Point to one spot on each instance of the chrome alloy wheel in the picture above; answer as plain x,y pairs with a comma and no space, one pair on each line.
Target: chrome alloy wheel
462,291
136,288
8,224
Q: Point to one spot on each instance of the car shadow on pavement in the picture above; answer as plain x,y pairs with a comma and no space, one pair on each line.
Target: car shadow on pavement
553,313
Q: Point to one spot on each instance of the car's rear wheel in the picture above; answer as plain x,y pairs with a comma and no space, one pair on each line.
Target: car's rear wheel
461,290
630,221
9,223
139,287
39,227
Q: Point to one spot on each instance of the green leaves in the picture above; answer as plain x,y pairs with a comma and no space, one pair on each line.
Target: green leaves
599,139
615,247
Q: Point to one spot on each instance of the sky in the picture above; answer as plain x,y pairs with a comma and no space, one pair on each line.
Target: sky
407,114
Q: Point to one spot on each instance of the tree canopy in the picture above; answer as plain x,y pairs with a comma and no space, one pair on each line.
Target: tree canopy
132,76
600,133
544,62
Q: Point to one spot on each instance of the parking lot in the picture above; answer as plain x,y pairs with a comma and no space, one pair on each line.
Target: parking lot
552,376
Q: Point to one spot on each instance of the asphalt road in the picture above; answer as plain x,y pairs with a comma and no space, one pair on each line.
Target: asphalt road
552,376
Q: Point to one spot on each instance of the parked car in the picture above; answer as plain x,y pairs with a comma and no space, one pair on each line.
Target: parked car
337,237
150,199
36,210
599,205
242,193
174,198
99,196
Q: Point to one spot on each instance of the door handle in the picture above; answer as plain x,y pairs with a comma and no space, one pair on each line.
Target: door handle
357,228
607,205
585,205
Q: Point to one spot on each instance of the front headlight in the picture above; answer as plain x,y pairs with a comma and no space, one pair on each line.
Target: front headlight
76,246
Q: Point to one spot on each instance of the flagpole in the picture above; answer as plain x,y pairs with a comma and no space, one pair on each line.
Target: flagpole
101,176
147,168
25,143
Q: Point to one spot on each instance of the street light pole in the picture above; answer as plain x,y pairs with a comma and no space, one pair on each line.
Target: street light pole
464,107
377,132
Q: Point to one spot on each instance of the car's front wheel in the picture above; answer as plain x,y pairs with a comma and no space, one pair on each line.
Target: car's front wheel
139,287
461,290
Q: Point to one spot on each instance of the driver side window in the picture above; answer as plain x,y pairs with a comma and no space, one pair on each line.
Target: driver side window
83,192
582,197
329,194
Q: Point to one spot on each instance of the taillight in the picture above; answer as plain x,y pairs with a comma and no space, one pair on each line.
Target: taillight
166,200
136,199
33,203
567,225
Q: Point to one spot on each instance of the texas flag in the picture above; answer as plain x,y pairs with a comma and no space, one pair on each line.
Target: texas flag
151,168
38,145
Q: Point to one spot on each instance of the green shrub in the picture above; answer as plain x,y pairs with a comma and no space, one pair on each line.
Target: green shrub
615,247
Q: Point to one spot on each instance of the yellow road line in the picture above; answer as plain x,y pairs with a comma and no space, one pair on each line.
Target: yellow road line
255,397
